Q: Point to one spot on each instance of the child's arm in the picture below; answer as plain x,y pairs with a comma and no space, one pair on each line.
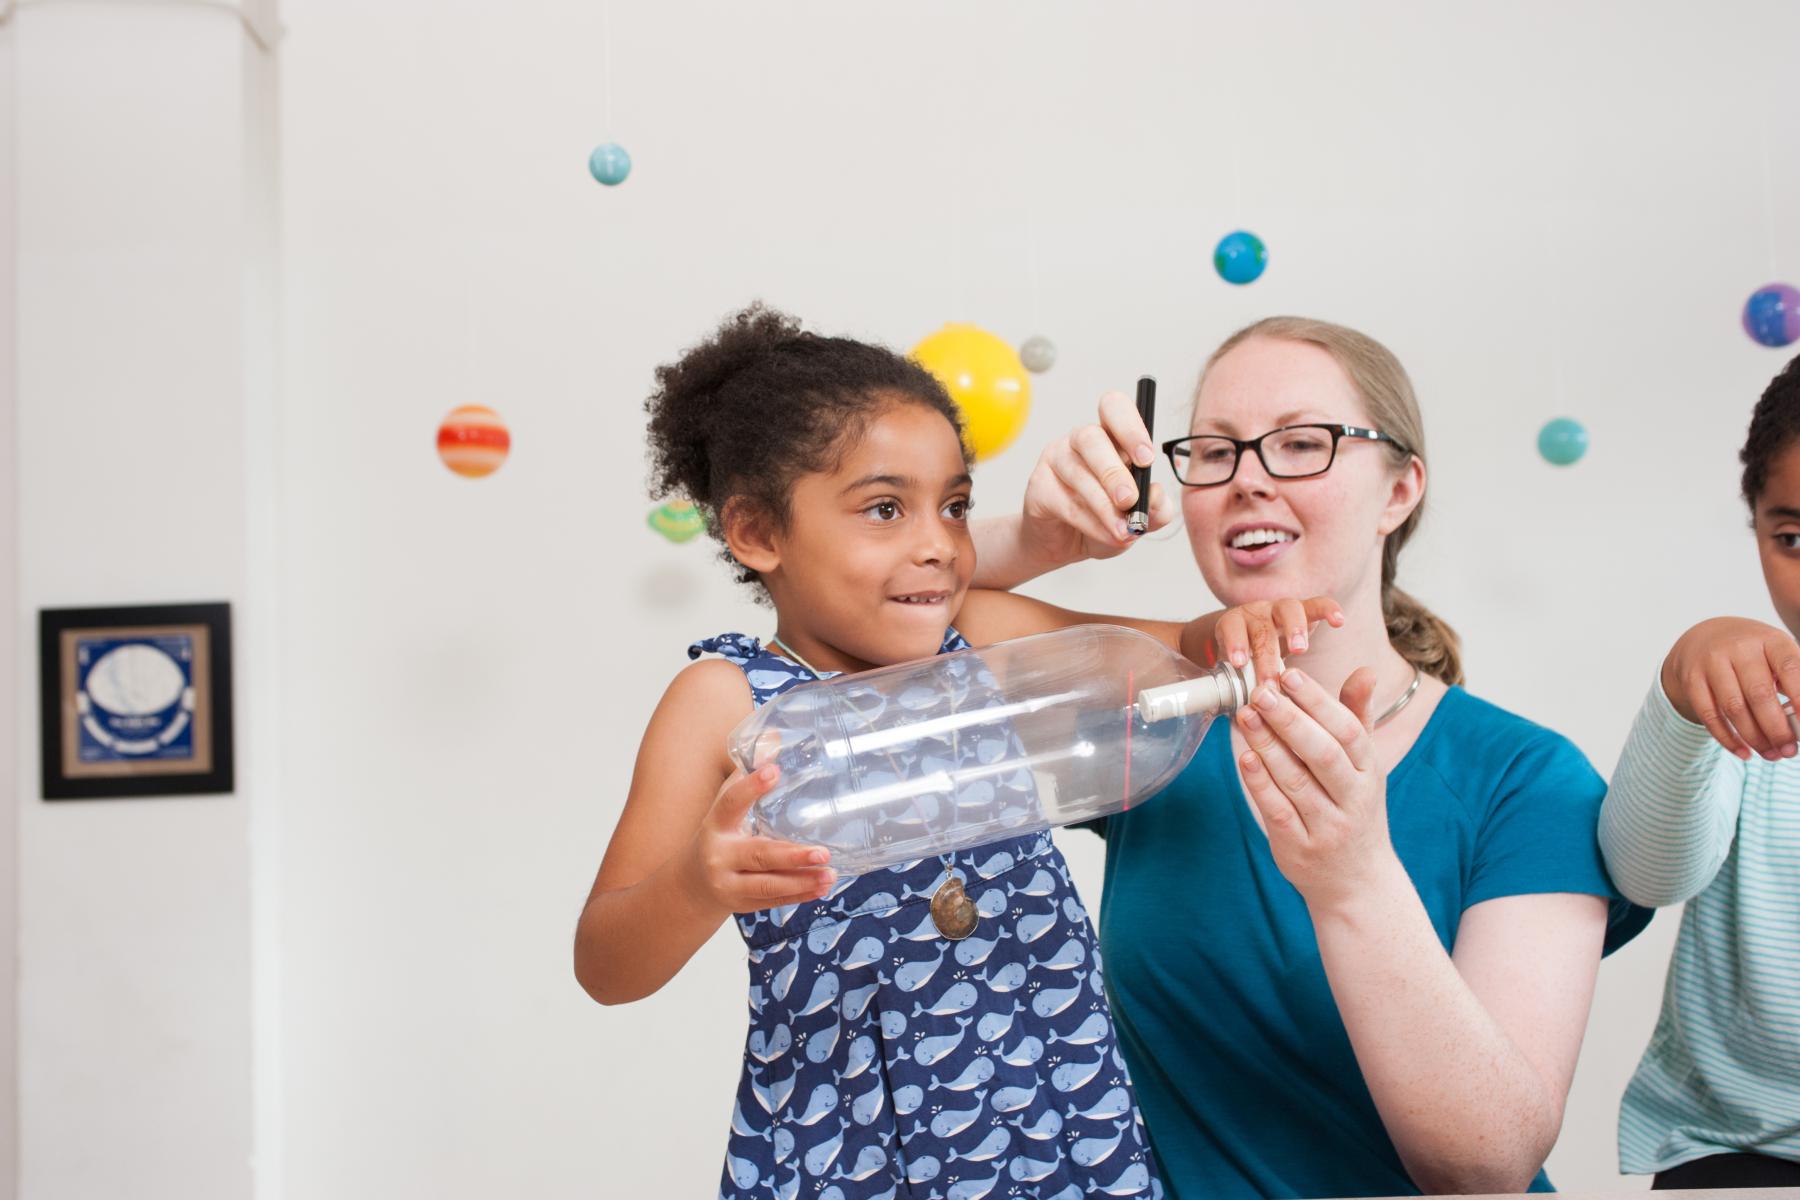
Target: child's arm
679,863
1671,814
1260,633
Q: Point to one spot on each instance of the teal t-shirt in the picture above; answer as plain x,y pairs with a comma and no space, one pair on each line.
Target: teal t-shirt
1244,1071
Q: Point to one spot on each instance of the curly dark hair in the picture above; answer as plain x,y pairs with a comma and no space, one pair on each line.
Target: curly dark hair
741,416
1774,426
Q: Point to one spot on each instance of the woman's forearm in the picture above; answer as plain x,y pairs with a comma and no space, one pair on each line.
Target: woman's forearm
632,940
1464,1106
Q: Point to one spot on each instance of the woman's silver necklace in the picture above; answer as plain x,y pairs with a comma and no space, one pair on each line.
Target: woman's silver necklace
1393,710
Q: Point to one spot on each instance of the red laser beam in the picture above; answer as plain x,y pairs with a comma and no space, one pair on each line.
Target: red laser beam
1128,694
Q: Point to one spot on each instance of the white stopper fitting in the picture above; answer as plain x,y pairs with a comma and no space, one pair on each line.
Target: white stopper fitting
1224,689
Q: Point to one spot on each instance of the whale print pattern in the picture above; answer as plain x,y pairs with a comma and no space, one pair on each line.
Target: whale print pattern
884,1061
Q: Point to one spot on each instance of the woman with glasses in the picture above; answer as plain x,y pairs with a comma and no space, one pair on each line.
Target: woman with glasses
1351,949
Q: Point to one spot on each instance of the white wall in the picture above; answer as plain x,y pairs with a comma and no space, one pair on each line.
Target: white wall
1506,197
138,247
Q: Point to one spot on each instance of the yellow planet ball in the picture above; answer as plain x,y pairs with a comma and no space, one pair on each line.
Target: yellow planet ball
984,376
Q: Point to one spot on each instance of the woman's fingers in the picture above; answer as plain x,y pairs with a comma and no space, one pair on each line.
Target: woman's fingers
1119,418
1280,817
1287,771
1358,695
1319,735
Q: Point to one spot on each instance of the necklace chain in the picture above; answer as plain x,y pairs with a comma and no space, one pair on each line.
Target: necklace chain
1393,709
789,651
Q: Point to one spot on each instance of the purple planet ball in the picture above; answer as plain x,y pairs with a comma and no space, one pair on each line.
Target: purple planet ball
1772,315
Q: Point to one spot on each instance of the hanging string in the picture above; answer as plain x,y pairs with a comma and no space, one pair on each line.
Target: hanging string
471,392
1552,242
606,63
1769,203
1033,269
1235,107
1237,167
958,176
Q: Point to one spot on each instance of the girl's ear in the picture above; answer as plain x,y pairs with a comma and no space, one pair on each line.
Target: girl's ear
1408,490
750,536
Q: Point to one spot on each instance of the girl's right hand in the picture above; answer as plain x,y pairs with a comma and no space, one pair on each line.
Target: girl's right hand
1264,632
739,872
1725,673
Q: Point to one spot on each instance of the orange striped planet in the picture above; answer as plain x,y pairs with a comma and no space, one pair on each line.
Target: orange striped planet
473,441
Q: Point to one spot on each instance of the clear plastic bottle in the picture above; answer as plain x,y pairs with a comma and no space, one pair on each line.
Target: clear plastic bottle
904,762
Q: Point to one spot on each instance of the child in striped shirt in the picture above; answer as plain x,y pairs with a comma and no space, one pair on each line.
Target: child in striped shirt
1705,808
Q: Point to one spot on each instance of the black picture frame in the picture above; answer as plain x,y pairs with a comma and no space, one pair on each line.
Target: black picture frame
135,701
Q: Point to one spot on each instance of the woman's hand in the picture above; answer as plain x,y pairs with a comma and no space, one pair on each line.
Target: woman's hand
1312,773
1081,489
739,872
1724,674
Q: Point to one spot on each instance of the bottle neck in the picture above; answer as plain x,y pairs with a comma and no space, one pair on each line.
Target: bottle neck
1224,689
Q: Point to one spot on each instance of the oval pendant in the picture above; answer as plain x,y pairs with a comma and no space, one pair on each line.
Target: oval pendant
952,911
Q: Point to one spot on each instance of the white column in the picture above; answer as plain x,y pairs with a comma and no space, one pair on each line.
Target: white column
142,182
12,632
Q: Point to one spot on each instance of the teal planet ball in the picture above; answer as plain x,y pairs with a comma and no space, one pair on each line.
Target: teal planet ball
609,164
1562,441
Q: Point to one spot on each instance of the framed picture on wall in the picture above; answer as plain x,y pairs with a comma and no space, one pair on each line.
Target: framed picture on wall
135,701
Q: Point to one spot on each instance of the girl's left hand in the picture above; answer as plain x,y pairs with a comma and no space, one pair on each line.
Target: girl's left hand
1312,773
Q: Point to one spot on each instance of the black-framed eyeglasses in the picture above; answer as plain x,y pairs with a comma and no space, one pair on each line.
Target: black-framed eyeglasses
1291,452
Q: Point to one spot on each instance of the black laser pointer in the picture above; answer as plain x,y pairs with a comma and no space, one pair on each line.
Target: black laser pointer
1139,521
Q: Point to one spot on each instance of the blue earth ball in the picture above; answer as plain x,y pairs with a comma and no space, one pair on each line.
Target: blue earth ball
1240,257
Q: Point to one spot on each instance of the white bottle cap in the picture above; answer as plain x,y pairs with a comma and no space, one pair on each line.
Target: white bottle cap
1224,689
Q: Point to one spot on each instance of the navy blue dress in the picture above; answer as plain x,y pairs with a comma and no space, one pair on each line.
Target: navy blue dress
884,1060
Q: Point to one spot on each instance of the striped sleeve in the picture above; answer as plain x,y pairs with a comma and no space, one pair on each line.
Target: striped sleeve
1671,812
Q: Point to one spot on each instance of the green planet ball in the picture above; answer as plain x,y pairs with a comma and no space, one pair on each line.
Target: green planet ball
678,520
